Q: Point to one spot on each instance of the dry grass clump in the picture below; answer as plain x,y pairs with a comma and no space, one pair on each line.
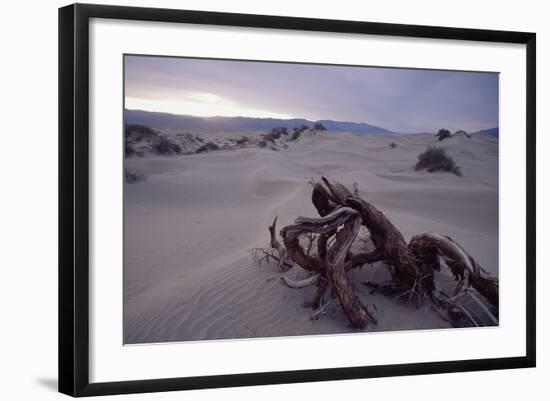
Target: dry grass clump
297,132
207,147
164,146
443,134
437,159
276,133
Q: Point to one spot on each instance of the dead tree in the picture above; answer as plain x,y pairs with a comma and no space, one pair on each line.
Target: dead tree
411,266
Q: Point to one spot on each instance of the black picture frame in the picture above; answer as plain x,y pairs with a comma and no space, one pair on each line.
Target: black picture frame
74,198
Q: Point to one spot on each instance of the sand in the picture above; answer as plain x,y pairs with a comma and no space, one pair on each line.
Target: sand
190,229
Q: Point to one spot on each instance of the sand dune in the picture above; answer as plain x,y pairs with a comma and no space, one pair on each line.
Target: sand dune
191,226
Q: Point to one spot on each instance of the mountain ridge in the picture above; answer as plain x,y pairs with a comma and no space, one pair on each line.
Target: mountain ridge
490,131
168,120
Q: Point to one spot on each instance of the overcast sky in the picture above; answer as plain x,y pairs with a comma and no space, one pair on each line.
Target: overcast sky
400,100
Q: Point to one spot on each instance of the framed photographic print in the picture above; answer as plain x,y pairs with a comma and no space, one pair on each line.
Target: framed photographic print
250,199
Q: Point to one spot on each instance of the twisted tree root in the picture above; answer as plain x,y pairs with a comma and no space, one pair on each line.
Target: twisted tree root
411,266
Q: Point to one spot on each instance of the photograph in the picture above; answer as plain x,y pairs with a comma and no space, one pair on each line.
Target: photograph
276,199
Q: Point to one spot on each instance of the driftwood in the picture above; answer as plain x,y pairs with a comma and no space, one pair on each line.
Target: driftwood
411,266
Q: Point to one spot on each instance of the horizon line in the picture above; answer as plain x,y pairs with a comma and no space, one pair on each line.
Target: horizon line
257,118
292,118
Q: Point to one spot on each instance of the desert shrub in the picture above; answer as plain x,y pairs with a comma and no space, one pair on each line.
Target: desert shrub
295,135
276,133
443,134
319,127
207,147
128,149
262,144
242,140
138,132
297,132
133,176
436,159
164,146
393,145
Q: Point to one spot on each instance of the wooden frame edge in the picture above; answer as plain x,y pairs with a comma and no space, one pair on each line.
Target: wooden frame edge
73,193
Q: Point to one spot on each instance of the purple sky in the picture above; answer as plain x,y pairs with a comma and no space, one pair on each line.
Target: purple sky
400,100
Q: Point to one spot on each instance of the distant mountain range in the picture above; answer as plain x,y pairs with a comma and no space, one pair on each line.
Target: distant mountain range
166,120
490,131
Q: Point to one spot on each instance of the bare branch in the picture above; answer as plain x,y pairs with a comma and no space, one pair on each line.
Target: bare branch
428,247
300,283
360,259
320,310
412,266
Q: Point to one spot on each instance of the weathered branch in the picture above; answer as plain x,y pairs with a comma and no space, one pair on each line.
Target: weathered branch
385,236
319,310
322,286
352,307
427,248
300,283
272,232
320,198
360,259
322,225
277,246
412,265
